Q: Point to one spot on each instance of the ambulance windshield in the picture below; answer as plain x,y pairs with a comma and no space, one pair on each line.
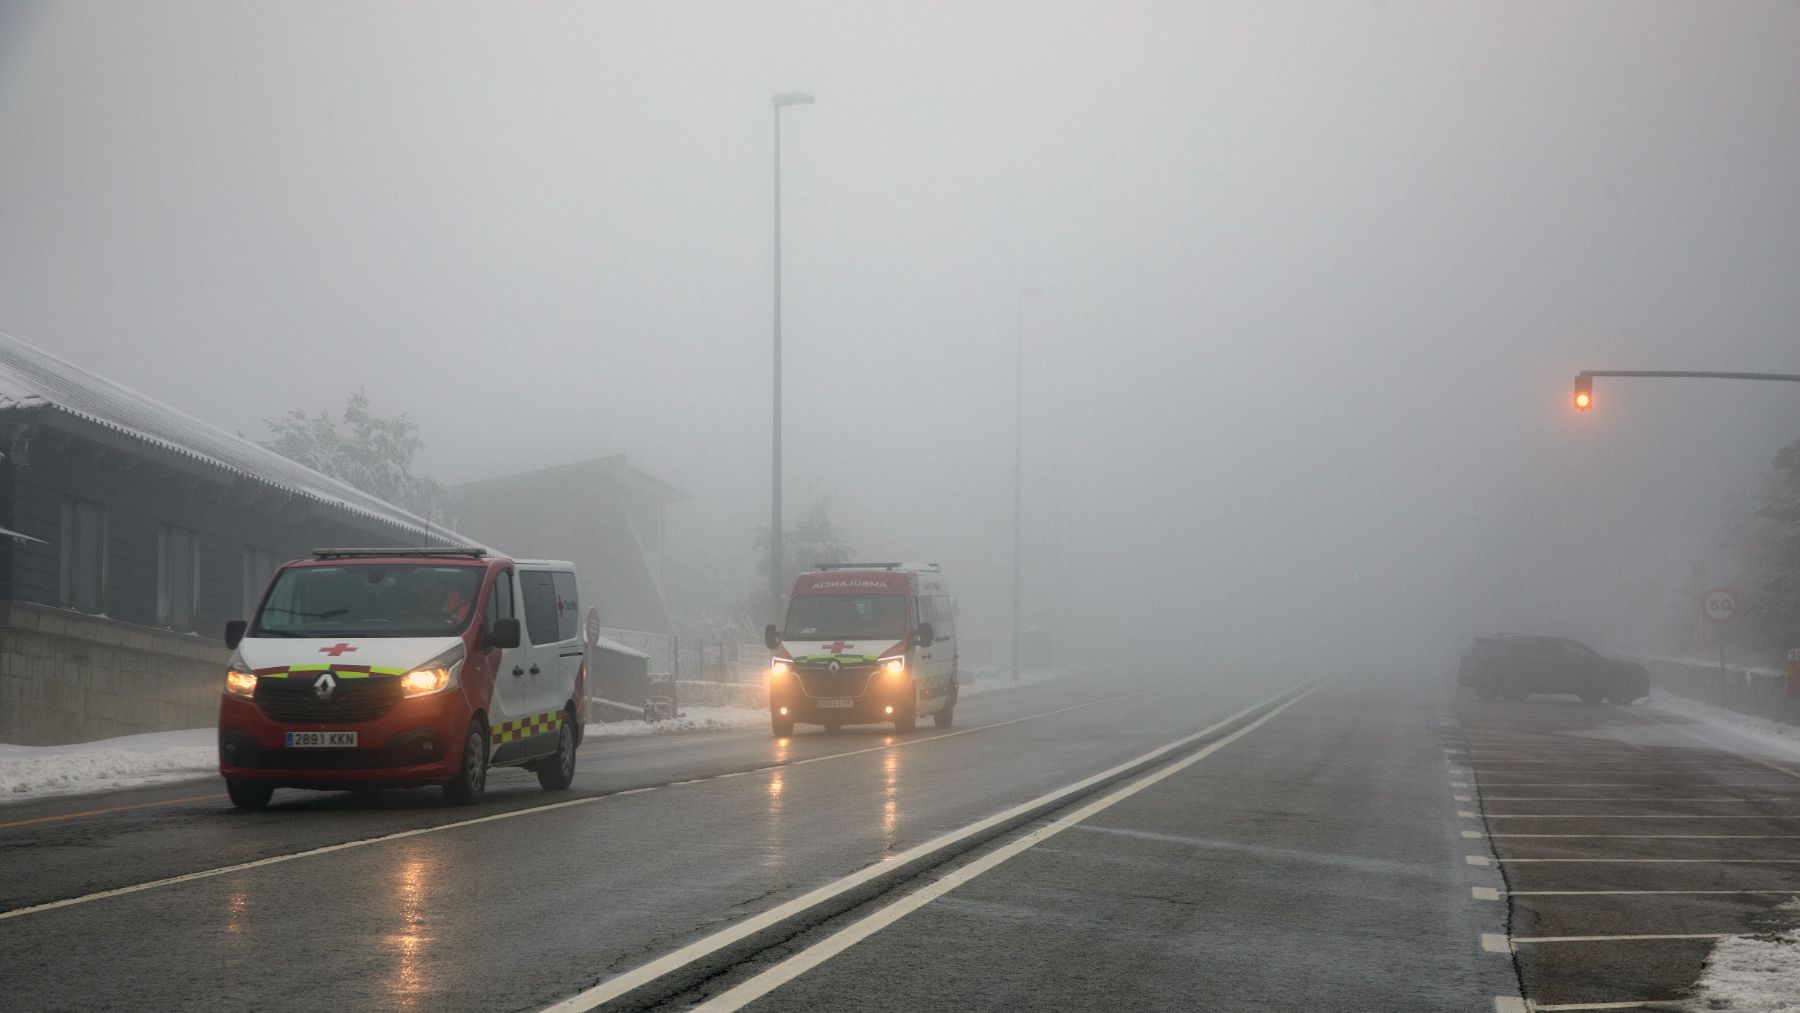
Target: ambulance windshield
384,600
847,617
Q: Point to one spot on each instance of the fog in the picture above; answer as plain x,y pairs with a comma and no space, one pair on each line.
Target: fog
1312,280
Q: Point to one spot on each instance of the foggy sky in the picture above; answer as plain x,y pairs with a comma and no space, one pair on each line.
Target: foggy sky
1315,278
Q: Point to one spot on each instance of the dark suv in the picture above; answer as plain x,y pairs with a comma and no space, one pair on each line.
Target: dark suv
1513,668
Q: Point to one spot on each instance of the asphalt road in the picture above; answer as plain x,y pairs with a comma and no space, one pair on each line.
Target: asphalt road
1631,841
1301,859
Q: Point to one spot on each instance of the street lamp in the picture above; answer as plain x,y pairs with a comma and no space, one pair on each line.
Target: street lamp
1018,470
776,557
1584,380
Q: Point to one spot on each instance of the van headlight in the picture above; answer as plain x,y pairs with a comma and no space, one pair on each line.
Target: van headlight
240,681
895,665
436,675
780,667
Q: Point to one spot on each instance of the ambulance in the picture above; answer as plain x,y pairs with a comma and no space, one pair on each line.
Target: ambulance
865,643
379,668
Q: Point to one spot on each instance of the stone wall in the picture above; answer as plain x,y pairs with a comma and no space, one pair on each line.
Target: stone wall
68,677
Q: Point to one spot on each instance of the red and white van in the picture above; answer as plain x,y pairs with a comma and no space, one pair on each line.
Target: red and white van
374,668
865,643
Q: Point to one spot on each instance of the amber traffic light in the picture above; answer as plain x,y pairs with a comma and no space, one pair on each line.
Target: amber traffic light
1584,392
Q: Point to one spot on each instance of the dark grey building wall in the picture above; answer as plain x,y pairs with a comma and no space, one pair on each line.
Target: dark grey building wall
140,495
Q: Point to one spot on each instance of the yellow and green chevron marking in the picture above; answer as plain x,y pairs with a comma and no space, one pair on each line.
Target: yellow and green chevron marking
524,728
341,671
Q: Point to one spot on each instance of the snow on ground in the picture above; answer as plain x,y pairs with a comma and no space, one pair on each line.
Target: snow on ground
1742,732
28,772
691,719
986,680
1754,974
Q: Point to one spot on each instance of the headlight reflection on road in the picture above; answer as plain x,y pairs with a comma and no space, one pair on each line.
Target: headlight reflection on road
890,806
410,885
772,837
237,909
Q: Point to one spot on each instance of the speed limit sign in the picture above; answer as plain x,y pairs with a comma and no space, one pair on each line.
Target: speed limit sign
1720,604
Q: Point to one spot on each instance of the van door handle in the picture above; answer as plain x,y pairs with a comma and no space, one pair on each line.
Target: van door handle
517,671
534,670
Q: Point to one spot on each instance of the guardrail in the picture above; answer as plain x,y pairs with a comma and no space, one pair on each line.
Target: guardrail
1759,692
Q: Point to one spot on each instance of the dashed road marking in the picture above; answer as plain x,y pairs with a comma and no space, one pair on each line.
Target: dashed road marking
1662,938
1494,942
1484,893
1477,860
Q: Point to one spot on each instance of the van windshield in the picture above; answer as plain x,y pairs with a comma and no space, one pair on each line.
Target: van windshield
847,617
387,600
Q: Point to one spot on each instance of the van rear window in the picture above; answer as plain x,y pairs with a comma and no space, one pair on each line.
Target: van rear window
388,600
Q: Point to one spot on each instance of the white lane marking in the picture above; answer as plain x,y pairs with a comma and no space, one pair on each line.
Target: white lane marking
628,981
1459,784
1494,942
1477,860
1660,861
527,811
277,859
1636,816
1657,837
1510,1004
1626,798
1534,940
1651,893
1460,798
1473,834
1571,1007
787,970
1630,784
1465,814
1484,893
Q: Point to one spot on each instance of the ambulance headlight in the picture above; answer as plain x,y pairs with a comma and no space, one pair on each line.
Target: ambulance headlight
895,665
436,675
780,667
239,680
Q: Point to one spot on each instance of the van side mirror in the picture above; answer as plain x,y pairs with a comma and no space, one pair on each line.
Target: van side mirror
925,635
771,637
234,633
505,634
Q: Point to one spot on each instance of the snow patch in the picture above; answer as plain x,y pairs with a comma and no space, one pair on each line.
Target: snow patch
691,719
1770,738
29,772
1753,974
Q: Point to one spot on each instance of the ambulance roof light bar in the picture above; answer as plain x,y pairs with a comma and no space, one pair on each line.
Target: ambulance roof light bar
924,567
439,550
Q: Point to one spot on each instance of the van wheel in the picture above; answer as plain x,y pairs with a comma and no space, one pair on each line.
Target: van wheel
470,782
247,795
558,772
783,727
946,714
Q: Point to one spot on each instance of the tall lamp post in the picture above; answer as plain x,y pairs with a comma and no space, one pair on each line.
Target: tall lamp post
1018,473
776,555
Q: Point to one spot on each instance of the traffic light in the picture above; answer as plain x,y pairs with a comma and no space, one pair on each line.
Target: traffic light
1584,392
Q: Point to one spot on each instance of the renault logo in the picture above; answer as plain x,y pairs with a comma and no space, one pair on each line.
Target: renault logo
834,668
324,687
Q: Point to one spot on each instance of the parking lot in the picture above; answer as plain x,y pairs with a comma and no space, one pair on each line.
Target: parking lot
1630,841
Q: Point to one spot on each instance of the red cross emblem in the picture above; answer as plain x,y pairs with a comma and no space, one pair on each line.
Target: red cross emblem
336,650
838,648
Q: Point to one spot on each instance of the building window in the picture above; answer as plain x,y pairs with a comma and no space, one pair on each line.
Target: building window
259,566
83,583
178,577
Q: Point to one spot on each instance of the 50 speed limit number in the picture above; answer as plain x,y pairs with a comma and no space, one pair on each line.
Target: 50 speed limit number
1719,604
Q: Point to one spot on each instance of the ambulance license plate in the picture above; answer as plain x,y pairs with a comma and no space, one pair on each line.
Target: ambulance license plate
310,740
835,703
